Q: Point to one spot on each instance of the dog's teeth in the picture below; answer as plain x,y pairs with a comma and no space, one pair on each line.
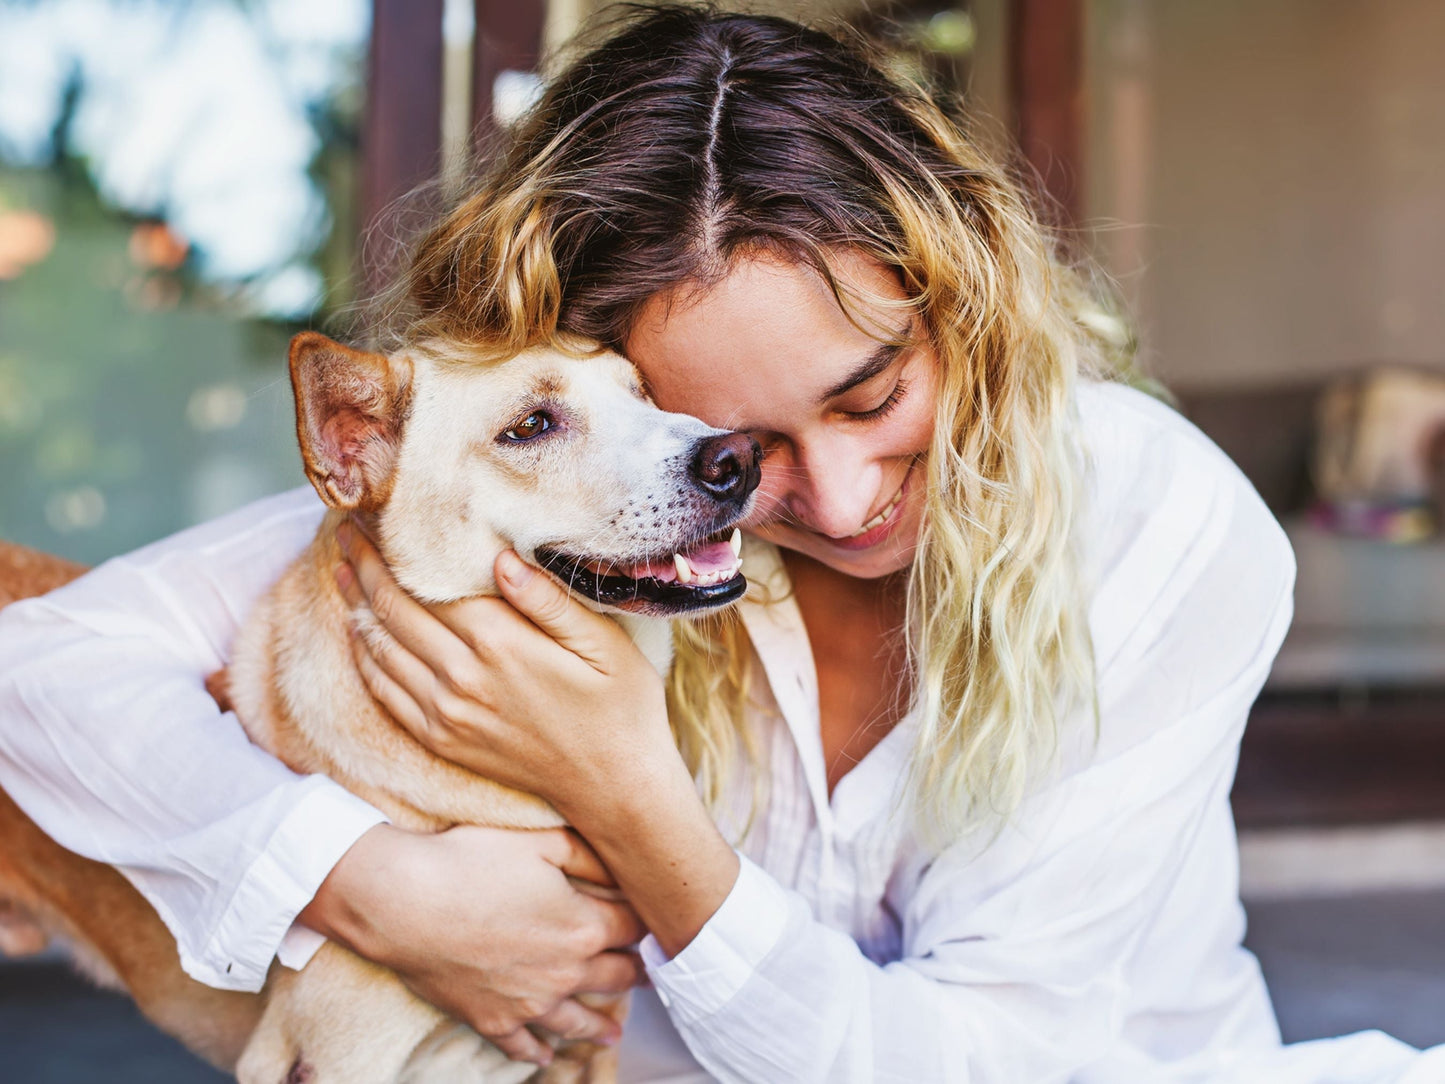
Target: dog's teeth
736,542
684,570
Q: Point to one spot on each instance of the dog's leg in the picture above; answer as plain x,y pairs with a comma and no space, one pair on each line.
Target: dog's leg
343,1020
589,1063
25,573
340,1020
118,938
455,1054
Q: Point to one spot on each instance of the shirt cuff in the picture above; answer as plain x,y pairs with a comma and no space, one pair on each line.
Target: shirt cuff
726,952
260,919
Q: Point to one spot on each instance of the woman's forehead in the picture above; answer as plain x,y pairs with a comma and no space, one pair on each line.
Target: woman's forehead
771,331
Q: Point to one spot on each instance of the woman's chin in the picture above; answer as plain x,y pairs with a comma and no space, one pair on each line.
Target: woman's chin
891,555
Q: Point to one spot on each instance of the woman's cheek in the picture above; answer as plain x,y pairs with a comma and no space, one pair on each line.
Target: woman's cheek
769,499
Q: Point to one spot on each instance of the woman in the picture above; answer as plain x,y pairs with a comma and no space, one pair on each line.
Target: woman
950,804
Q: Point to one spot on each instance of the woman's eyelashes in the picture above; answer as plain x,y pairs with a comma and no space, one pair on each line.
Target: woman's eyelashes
894,397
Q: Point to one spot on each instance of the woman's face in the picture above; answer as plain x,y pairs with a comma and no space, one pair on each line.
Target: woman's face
844,419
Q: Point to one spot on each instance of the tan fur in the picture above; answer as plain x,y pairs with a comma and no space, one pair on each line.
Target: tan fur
415,444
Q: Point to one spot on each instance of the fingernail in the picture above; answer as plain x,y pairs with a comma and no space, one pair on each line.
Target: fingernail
514,570
343,534
344,576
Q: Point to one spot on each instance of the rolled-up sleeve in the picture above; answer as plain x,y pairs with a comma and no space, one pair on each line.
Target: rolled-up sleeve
111,744
1044,953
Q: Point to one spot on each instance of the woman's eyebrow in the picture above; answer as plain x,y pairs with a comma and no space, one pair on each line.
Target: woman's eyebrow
885,355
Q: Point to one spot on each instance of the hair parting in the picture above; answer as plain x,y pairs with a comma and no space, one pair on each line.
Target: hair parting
689,139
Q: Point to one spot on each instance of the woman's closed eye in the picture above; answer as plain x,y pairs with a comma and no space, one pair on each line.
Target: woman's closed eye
893,398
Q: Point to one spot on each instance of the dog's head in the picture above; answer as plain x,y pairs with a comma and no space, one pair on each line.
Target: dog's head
562,458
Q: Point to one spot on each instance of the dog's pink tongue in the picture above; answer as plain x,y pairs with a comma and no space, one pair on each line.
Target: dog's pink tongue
711,557
707,557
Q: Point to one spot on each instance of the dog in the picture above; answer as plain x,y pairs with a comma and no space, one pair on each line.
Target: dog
444,459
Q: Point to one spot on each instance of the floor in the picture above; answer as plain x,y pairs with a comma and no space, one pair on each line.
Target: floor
1334,966
1347,964
55,1028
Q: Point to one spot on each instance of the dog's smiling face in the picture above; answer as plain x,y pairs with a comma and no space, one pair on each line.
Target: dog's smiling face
563,459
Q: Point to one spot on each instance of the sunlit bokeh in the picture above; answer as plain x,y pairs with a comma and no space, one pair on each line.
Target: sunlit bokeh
177,196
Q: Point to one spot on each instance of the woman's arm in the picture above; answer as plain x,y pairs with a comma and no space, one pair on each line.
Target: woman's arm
1017,963
111,743
113,746
484,923
598,747
1101,928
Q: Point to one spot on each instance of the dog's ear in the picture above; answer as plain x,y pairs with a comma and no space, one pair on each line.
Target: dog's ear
350,409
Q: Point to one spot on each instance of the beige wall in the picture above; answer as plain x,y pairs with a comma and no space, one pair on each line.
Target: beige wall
565,17
1266,178
1287,161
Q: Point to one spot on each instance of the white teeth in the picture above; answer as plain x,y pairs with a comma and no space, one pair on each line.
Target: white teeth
736,542
686,574
881,517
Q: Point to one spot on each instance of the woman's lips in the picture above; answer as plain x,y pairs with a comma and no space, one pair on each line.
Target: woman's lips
880,526
881,517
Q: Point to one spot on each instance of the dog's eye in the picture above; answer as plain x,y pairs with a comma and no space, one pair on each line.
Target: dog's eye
533,425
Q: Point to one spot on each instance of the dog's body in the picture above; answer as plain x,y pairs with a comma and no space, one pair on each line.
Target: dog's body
445,461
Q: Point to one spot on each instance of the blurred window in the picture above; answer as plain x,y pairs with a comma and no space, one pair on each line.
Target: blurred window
177,196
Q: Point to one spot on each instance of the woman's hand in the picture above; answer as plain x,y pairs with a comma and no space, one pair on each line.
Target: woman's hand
536,691
484,924
533,689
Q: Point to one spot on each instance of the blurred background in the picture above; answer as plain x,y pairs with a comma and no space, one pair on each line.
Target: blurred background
185,183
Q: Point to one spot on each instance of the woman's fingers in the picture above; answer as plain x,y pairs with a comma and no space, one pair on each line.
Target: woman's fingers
621,928
409,622
218,684
574,1020
570,853
522,1045
387,690
611,973
553,609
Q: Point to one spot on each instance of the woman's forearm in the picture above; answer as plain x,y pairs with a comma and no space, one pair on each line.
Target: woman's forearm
660,844
484,923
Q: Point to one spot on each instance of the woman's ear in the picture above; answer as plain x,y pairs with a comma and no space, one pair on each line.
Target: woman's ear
351,407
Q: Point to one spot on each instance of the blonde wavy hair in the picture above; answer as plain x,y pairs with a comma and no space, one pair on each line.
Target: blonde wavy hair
690,138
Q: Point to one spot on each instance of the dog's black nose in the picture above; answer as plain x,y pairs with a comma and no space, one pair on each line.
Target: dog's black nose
728,467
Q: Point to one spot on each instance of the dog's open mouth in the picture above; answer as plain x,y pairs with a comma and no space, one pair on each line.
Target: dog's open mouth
702,576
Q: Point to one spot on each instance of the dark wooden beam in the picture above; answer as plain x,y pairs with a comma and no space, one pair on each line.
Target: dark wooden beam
402,132
1046,75
1317,760
508,38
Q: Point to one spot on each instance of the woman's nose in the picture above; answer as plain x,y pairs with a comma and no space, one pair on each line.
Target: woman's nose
827,491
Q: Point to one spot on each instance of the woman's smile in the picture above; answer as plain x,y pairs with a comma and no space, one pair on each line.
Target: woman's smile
842,402
880,526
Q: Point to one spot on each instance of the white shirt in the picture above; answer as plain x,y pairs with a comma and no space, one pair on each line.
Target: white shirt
1096,939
